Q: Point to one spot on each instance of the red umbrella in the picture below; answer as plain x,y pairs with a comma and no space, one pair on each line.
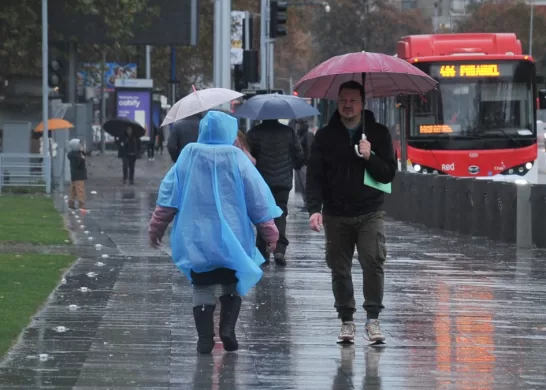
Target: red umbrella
383,76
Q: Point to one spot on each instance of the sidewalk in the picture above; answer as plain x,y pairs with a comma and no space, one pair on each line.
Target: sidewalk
460,313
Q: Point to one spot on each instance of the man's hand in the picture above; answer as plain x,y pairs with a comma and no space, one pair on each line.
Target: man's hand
315,222
155,242
365,148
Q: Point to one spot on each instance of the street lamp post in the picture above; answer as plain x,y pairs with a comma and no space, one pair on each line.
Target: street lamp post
45,98
531,28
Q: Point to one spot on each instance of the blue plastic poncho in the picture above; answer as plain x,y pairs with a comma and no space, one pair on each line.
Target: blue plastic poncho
219,194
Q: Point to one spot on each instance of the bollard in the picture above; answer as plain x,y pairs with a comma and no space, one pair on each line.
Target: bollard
524,217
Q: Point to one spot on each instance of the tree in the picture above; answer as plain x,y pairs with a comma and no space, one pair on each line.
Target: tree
511,17
374,25
294,53
20,28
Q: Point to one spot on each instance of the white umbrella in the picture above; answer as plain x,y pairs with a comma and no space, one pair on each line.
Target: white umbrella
199,101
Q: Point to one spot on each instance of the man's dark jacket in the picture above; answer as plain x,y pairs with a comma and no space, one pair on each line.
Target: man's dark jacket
183,132
78,170
277,151
335,174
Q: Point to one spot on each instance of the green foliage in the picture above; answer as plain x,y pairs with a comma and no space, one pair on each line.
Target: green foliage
20,28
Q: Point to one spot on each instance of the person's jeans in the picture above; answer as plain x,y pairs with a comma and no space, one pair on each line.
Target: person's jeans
281,198
129,168
367,233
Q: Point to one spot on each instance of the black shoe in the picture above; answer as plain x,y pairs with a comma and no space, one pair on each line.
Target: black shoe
124,181
132,183
280,259
229,313
204,323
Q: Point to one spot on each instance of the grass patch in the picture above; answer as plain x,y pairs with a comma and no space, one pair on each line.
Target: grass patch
32,220
25,283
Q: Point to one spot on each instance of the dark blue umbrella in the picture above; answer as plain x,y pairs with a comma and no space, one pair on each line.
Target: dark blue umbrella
274,106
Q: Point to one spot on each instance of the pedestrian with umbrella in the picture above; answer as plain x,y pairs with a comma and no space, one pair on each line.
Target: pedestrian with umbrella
351,166
277,150
128,134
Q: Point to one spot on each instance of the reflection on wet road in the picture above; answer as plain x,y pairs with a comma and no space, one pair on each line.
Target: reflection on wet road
460,313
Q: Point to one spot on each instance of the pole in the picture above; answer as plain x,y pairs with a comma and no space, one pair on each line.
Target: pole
148,62
225,46
103,103
264,36
271,64
247,45
216,53
531,28
173,74
45,97
403,140
291,83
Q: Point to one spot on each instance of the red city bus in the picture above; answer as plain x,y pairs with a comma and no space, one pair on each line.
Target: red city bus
481,120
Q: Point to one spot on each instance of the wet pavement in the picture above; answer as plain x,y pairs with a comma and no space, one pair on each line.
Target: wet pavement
460,313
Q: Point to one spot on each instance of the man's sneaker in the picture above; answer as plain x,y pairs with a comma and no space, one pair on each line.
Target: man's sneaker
374,331
347,334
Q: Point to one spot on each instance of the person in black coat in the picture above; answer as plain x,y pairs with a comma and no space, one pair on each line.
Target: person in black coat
129,149
278,152
182,133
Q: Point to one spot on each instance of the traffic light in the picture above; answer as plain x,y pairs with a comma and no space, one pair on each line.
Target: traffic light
54,74
277,18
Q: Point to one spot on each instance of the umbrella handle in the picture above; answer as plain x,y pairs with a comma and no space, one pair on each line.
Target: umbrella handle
356,148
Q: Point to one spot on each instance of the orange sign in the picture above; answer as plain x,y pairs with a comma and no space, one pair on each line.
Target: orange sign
473,70
435,129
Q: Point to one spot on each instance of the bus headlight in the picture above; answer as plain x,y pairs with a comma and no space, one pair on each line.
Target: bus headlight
529,165
417,168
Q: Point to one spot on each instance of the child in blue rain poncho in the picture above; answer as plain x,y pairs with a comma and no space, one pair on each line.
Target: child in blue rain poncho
215,194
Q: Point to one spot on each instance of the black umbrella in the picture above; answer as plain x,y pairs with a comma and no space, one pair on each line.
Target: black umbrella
116,127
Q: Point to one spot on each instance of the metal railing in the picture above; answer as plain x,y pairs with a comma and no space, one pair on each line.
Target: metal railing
24,172
496,210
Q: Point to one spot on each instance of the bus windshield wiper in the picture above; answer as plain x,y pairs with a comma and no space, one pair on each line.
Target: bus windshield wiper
503,132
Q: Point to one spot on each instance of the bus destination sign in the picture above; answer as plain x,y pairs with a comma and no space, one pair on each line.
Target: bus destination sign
435,129
449,71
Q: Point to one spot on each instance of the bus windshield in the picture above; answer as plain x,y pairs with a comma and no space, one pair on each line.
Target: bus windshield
476,100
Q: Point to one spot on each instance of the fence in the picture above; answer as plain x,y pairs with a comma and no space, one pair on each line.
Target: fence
21,172
496,210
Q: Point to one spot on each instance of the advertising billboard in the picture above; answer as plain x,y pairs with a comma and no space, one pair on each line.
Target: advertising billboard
135,105
89,75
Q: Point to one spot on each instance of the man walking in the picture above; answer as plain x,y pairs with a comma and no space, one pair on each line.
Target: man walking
351,211
278,152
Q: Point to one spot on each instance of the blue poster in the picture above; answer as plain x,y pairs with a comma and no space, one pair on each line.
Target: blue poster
137,106
89,74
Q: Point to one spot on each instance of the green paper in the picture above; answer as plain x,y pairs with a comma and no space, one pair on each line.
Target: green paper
371,182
